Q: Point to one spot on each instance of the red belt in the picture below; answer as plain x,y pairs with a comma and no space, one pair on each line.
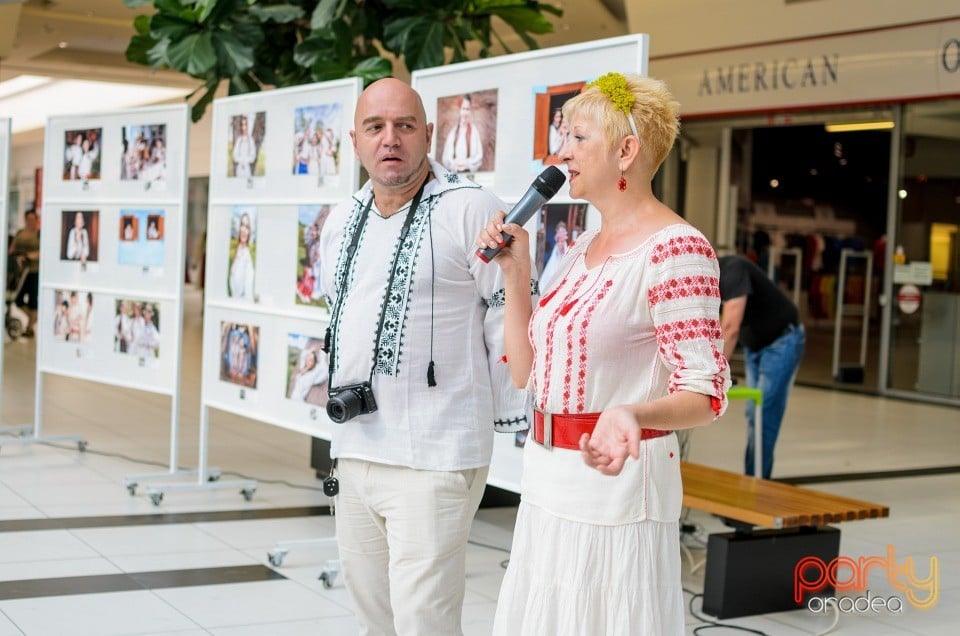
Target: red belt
565,429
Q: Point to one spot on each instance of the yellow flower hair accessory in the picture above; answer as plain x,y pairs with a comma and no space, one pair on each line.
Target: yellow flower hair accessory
614,87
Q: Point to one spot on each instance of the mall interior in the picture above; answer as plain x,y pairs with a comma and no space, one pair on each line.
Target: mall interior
820,138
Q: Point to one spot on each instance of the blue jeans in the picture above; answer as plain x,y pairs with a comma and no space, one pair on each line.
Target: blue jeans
772,370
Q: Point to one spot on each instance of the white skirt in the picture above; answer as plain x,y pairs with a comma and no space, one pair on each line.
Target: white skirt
581,579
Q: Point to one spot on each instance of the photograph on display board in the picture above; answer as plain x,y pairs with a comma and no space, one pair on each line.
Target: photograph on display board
81,154
141,238
307,370
316,140
310,220
80,235
72,316
136,328
245,155
467,131
243,252
549,129
238,353
144,155
559,227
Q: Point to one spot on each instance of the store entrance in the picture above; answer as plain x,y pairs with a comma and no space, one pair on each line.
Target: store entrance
811,210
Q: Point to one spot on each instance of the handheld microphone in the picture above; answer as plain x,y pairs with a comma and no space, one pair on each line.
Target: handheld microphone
541,190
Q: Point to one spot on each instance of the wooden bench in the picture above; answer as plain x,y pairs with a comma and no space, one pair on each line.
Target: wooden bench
752,571
768,504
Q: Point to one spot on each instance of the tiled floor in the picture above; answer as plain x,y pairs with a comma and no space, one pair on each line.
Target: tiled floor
177,570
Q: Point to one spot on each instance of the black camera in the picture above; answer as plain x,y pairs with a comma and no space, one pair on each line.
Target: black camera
347,402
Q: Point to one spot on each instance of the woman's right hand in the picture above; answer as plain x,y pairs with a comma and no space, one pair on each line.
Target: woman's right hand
514,257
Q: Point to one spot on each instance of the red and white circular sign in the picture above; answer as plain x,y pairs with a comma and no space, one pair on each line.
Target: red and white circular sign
908,298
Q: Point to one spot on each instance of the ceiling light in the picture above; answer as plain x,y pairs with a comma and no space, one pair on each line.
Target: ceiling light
774,183
857,126
22,83
902,194
63,45
28,100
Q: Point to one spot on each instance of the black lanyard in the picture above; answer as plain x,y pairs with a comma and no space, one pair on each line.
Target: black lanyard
333,335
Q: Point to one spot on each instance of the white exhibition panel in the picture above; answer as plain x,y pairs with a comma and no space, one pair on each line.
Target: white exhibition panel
111,181
275,235
133,220
519,79
151,267
259,318
260,392
529,87
277,116
91,351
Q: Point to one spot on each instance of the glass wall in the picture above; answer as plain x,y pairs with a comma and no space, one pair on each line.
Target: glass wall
925,320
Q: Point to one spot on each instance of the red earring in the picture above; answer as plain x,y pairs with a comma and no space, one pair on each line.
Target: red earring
622,183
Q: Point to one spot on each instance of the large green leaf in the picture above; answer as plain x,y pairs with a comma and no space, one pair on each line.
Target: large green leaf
372,69
325,13
279,13
423,47
176,9
141,24
523,20
206,7
164,26
396,32
193,55
138,48
311,50
235,55
157,56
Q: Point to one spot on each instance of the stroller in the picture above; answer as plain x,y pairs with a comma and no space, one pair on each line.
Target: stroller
15,319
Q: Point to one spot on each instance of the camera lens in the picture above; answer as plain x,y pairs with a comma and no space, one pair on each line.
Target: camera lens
344,406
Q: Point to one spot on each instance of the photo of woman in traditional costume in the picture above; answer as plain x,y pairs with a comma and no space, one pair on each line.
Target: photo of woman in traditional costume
562,223
467,131
243,246
81,155
238,353
79,235
549,125
307,369
245,156
310,220
128,227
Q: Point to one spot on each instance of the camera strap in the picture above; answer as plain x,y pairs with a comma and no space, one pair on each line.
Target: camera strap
333,330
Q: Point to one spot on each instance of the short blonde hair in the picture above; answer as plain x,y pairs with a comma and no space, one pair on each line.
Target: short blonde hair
654,111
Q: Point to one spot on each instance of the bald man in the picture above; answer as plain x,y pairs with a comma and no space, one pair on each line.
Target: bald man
416,348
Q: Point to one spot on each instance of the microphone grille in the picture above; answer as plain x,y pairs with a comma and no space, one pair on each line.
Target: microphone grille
553,179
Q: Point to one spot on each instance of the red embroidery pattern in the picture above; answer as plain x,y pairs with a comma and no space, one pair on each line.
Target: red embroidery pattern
671,334
682,245
587,312
551,329
684,287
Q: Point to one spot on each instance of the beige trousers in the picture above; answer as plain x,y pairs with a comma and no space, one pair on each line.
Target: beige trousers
402,535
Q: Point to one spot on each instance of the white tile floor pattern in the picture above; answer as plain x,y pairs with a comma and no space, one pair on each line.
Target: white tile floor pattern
825,432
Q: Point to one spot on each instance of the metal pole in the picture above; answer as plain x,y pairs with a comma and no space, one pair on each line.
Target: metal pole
893,209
